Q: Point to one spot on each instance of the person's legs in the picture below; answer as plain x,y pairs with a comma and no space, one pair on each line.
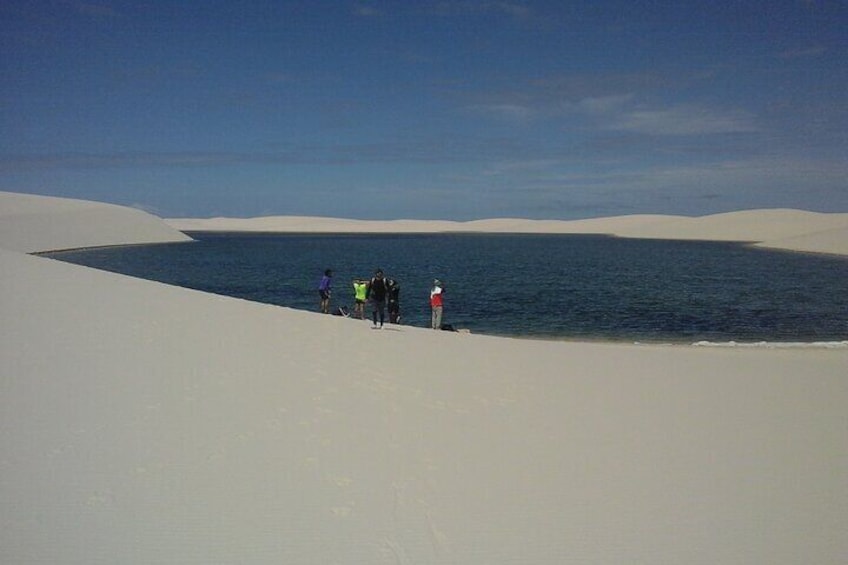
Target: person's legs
378,308
437,317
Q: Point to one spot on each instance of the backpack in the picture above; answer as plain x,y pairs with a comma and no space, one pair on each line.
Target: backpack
378,285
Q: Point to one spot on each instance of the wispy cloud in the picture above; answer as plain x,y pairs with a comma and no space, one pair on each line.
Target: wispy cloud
533,166
59,161
574,87
682,120
513,113
647,103
434,150
278,77
707,187
367,11
602,105
804,53
467,7
93,9
622,112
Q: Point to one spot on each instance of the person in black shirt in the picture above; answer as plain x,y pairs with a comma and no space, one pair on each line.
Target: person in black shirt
394,300
377,291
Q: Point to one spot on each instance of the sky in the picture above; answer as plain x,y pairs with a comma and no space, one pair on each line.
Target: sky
454,109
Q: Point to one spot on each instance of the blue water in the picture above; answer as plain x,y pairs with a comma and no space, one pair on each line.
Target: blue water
562,286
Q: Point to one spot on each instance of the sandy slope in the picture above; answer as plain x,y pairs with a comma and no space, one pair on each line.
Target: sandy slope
833,241
781,229
143,423
32,223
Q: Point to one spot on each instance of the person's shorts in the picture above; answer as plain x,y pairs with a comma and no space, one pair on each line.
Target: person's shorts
324,294
358,301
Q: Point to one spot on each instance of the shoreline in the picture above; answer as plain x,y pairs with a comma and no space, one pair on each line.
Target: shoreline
836,344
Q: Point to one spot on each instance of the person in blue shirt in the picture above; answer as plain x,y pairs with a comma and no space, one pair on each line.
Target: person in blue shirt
324,289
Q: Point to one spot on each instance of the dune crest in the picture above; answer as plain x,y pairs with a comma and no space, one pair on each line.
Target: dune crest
796,230
31,223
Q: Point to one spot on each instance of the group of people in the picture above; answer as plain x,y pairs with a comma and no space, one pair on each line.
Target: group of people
382,293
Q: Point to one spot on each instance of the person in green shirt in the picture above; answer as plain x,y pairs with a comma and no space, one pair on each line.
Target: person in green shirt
360,295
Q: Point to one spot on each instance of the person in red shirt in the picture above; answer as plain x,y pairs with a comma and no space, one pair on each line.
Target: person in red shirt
436,304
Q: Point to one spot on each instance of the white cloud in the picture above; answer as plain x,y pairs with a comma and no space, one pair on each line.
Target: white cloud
94,9
758,171
462,7
682,120
508,112
803,53
604,104
512,167
365,11
619,112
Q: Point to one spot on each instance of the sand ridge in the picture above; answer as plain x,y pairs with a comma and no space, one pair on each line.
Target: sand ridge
31,224
795,230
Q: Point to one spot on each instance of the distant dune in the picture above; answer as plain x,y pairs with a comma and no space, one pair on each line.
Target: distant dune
36,223
795,230
834,241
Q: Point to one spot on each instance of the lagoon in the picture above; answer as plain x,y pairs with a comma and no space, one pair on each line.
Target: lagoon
582,287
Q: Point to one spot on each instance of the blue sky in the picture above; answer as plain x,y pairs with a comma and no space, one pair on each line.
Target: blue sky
455,109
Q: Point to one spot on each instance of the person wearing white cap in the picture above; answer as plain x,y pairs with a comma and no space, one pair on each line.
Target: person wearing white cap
436,304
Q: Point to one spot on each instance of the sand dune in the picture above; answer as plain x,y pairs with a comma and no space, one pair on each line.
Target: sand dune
144,423
833,241
32,223
780,229
748,225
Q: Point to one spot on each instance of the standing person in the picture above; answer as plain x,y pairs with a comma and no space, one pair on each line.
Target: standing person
394,301
360,294
436,304
377,291
324,289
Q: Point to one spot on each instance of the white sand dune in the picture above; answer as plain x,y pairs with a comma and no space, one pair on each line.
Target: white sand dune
288,224
145,423
795,230
747,225
832,241
32,223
